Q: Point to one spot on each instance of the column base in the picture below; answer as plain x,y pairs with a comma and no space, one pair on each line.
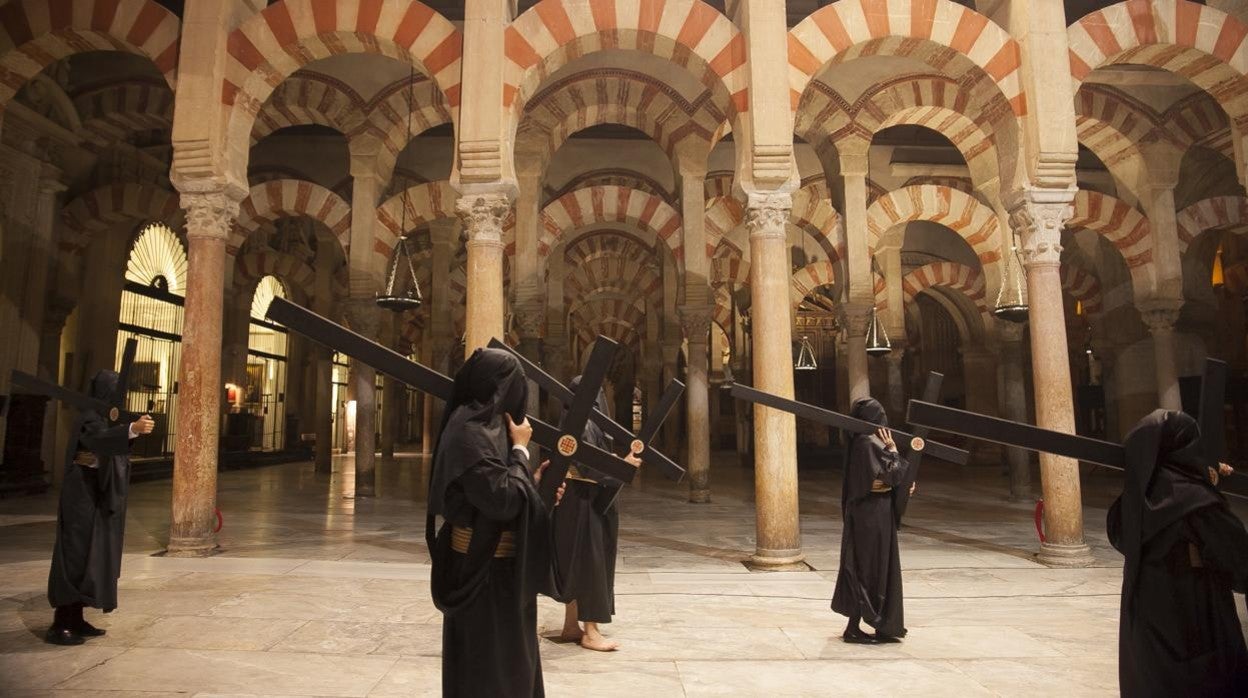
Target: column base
191,547
1057,555
700,496
777,561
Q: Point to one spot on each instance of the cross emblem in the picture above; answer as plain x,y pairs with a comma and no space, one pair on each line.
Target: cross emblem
427,380
112,407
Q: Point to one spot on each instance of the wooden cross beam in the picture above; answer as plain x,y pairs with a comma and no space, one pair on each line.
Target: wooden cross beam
649,430
931,393
112,408
427,380
1082,448
847,423
621,434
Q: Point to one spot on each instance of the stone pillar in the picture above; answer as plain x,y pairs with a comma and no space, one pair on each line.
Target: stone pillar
365,318
323,396
696,321
1160,315
1013,400
209,217
389,414
857,321
896,384
483,216
444,234
779,542
671,370
1040,214
979,367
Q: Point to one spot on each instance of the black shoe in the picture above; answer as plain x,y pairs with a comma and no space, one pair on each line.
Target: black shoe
62,636
857,637
85,629
886,639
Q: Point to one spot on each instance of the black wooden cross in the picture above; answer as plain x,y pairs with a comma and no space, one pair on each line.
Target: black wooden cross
649,430
914,442
1082,448
931,393
563,441
622,435
112,408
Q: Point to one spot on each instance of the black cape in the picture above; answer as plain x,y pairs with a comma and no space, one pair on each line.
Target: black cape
586,539
91,517
1185,552
868,585
489,628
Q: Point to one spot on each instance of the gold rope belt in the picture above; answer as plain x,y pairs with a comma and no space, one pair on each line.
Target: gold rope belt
878,487
461,537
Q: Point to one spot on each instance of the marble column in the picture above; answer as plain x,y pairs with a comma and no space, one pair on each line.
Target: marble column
1160,315
323,396
1040,214
857,321
779,538
483,216
671,370
393,391
365,318
696,322
979,368
209,217
896,383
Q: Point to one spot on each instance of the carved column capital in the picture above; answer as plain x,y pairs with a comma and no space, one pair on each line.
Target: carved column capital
209,214
1039,216
696,320
1161,314
529,321
483,215
767,213
857,318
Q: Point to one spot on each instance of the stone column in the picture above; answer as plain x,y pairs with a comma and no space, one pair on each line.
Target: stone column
696,322
444,234
389,415
979,368
779,541
1013,400
1160,315
483,216
671,366
857,321
1040,214
322,303
209,217
365,318
896,383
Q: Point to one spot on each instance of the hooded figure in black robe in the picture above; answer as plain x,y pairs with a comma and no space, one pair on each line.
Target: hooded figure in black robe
90,520
1179,631
488,589
868,586
586,539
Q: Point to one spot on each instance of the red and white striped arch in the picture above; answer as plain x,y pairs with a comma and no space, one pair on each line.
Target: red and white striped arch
1216,212
689,33
809,278
309,98
282,198
34,34
1113,124
723,215
730,269
620,318
110,112
425,203
1122,225
1200,43
607,204
950,37
275,42
962,213
1083,286
967,281
814,214
98,210
296,275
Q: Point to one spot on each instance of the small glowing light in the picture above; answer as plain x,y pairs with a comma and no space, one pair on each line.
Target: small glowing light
1218,278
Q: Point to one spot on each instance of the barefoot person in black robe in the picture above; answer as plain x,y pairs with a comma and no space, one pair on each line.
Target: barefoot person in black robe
1186,552
868,587
491,554
91,518
586,540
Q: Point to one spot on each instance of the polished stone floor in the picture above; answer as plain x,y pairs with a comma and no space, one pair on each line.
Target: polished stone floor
318,593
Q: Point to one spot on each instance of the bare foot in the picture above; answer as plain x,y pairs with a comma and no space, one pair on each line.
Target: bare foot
594,640
571,629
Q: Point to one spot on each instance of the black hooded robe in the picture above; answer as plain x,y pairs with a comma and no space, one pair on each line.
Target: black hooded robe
489,627
1186,552
586,540
868,585
91,516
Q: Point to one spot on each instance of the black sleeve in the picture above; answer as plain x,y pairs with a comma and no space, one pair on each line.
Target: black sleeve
495,488
1113,524
890,467
1223,542
103,441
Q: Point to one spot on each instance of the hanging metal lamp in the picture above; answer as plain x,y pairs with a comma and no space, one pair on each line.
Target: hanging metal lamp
1012,300
409,298
1218,276
805,356
877,337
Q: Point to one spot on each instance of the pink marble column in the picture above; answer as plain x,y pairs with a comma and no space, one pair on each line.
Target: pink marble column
365,318
209,217
1160,315
1040,214
1013,401
779,537
696,322
857,321
483,216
